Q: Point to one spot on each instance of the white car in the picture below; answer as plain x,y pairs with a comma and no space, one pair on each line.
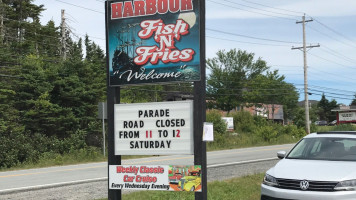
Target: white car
321,166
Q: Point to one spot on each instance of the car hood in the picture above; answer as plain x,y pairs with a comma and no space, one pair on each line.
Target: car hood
318,170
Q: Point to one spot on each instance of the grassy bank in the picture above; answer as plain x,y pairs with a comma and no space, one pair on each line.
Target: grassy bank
81,156
233,141
221,142
244,188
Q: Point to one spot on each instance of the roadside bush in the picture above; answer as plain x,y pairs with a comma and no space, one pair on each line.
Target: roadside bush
294,131
344,127
244,122
267,133
18,148
260,121
214,117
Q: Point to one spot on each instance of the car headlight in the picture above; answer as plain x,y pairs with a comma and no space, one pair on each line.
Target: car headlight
270,180
346,185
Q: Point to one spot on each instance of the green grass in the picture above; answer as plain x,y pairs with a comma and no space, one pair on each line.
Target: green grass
231,141
81,156
343,127
221,142
243,188
91,154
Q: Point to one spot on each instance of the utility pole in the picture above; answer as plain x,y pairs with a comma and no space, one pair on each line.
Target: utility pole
306,101
63,27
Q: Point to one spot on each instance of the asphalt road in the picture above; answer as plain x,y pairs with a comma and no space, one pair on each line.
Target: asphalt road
51,177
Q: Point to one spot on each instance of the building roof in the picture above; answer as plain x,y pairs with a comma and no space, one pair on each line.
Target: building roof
344,109
311,102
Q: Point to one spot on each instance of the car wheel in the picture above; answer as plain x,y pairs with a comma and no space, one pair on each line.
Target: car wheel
192,189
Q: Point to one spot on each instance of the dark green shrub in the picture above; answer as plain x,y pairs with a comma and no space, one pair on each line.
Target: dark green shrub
260,121
244,122
214,117
267,133
294,131
344,127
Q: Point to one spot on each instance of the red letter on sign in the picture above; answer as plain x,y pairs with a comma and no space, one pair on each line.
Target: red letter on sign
186,5
162,6
151,7
128,11
116,10
174,5
139,8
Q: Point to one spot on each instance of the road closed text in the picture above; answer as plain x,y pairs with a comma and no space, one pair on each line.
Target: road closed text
164,127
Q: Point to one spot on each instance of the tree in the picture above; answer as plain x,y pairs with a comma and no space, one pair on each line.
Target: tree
324,109
272,89
299,118
230,71
323,106
353,103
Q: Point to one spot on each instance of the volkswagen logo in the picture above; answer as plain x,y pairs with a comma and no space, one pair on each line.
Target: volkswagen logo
304,184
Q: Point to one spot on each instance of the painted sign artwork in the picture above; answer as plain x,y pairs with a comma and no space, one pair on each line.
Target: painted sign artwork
153,177
153,41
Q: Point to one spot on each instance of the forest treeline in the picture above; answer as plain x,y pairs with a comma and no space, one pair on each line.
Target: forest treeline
47,103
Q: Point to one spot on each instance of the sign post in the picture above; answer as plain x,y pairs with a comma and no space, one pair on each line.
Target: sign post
200,110
151,42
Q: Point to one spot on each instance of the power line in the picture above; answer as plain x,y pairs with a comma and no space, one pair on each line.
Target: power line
324,72
334,31
278,13
331,96
250,10
350,59
56,29
251,37
35,34
80,7
272,7
230,40
350,67
331,37
336,55
330,92
328,88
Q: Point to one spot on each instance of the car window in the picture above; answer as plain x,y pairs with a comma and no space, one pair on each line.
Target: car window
315,147
325,149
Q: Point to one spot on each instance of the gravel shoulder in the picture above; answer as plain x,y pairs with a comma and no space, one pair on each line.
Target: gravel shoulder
98,189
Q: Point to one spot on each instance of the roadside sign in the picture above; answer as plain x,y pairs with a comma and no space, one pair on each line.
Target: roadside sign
102,110
347,116
163,128
155,177
229,122
153,41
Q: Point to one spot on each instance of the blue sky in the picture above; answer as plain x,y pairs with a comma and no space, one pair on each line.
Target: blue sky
331,67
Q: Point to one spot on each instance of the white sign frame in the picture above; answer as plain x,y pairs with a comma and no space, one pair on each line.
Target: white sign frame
137,120
229,122
347,116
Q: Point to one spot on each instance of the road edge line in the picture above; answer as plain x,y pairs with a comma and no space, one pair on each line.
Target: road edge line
47,186
242,162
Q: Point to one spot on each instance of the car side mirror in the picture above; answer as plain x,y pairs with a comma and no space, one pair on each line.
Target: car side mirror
281,154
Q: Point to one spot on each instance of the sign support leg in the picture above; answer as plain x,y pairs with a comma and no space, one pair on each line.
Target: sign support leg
199,145
200,111
113,98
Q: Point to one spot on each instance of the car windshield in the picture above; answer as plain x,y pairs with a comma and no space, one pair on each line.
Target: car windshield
325,148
